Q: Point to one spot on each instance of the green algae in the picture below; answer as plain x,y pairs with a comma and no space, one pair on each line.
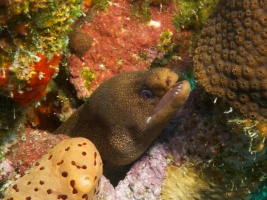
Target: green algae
190,77
88,77
192,14
166,42
141,10
262,195
170,159
33,27
100,4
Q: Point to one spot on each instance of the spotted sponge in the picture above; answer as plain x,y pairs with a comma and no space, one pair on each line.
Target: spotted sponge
71,170
231,57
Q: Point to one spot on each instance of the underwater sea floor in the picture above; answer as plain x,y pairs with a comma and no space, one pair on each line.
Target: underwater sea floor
206,152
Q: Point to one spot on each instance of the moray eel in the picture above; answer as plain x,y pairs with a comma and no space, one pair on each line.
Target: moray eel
127,113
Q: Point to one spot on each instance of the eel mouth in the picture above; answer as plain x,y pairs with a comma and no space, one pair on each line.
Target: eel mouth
174,98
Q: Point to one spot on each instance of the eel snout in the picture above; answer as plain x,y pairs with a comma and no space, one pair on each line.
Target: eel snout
174,98
180,91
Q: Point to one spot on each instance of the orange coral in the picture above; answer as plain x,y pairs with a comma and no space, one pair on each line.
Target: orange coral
262,126
35,88
4,74
87,3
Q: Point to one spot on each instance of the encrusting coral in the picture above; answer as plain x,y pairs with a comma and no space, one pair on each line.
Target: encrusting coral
33,36
223,157
231,56
112,41
71,170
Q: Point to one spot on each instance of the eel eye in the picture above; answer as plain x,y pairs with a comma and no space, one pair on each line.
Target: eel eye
146,94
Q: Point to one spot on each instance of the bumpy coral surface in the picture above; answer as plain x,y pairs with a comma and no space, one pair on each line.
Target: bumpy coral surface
231,55
71,170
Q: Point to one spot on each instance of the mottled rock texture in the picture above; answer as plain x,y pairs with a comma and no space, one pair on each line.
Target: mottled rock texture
114,40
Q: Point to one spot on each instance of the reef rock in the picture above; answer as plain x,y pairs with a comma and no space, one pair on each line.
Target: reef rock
33,36
144,179
20,152
114,40
206,152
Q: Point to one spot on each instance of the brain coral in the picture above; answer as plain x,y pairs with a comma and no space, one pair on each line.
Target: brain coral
230,60
71,170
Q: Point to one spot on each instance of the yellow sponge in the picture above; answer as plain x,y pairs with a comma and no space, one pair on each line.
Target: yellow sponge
71,170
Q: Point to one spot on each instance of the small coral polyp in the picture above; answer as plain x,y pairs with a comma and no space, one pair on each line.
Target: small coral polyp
35,87
231,56
71,170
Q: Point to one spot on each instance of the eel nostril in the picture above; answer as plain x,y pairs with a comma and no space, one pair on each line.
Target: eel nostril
168,81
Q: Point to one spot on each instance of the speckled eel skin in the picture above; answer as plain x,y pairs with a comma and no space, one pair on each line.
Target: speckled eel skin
126,114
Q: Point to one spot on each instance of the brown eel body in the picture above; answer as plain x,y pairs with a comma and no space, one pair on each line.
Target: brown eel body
126,114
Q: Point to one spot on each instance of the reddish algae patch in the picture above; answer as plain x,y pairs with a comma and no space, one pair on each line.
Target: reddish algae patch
121,42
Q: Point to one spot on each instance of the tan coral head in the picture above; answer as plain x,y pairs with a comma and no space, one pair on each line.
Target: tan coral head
230,60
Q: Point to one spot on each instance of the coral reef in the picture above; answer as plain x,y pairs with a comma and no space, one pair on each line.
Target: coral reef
71,170
5,168
46,116
132,35
111,41
192,15
221,149
189,184
145,178
36,85
230,57
27,141
205,141
33,37
206,153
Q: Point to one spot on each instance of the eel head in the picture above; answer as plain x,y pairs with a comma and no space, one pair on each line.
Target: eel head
127,113
142,104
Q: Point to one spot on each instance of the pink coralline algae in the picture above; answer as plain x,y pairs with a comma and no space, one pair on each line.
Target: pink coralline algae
143,181
6,168
30,146
145,178
120,42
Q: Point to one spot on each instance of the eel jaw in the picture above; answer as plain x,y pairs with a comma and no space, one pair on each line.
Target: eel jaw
174,98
